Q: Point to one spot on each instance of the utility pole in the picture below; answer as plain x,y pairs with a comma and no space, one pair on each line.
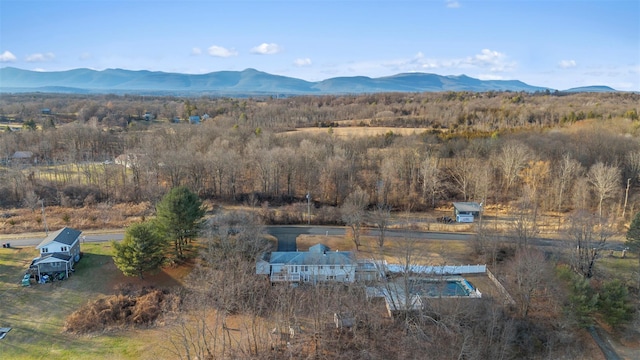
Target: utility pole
44,218
626,197
308,208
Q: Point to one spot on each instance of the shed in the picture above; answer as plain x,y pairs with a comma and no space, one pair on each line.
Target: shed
22,155
467,208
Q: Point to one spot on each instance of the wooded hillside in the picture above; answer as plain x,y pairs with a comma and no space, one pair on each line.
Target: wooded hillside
555,151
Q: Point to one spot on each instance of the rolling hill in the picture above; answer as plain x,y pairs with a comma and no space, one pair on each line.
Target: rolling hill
246,82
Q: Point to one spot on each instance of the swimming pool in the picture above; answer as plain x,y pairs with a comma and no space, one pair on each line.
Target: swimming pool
444,287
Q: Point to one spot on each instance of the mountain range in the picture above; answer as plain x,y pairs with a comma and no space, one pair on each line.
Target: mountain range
247,82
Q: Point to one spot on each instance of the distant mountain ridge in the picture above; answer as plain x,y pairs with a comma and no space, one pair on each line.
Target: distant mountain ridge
247,82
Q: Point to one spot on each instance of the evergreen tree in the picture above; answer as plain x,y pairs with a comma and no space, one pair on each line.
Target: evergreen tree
633,242
142,250
179,218
613,303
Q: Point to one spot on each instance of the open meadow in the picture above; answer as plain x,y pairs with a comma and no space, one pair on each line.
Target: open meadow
37,313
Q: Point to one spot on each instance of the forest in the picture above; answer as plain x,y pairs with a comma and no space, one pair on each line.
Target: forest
561,152
572,157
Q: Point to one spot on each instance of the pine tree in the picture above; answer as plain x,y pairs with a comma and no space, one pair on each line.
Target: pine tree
179,218
142,250
633,242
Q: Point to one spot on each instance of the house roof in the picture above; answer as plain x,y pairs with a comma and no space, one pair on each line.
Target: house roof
53,257
22,155
467,206
317,255
66,236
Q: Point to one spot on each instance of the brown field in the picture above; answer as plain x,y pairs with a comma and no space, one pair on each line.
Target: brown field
355,131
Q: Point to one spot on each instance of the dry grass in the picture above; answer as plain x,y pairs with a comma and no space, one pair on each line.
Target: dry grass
425,252
358,131
101,216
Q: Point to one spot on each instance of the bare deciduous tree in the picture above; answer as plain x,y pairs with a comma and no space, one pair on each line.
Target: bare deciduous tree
605,180
380,216
528,269
511,159
431,179
566,171
588,236
353,213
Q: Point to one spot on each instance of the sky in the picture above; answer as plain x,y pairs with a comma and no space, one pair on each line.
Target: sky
558,44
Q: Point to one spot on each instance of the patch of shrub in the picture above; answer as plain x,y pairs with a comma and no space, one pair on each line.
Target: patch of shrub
138,309
75,195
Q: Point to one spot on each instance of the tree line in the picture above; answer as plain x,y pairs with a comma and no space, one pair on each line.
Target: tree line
593,166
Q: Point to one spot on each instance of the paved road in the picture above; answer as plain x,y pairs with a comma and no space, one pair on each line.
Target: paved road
287,235
34,241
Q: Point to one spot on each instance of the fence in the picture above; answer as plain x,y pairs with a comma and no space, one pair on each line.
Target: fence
444,269
509,300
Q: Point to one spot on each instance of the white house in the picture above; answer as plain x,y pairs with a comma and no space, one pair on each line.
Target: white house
64,241
319,264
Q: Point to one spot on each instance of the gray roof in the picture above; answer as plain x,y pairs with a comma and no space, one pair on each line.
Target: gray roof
22,155
467,206
58,256
65,236
317,255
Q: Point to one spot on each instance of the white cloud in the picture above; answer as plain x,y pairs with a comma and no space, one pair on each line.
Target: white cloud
7,56
196,51
219,51
267,49
566,64
486,60
494,60
40,57
302,62
452,4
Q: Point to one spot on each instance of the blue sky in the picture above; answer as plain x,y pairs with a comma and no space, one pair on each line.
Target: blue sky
558,44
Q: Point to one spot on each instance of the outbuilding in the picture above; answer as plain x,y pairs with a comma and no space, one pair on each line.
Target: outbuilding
466,210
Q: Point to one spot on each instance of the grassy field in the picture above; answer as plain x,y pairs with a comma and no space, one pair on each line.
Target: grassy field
37,313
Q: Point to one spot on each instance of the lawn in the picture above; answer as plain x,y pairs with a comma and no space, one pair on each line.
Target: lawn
37,313
617,267
423,252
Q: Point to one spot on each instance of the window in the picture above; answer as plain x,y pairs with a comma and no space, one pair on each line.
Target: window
320,267
45,250
331,267
306,268
341,267
63,248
